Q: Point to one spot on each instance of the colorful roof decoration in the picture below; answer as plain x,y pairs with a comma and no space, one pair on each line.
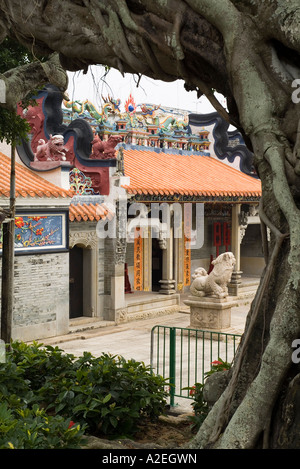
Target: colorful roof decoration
140,124
130,105
80,184
163,174
28,183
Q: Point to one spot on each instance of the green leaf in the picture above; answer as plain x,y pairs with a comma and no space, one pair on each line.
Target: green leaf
113,421
107,398
79,408
105,411
60,407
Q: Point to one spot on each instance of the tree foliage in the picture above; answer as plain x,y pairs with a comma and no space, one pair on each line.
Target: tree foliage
12,54
249,51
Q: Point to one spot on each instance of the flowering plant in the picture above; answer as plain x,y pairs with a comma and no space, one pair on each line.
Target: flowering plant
218,365
200,406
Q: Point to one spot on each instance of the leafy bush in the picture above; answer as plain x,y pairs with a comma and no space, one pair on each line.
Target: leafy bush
42,388
34,429
13,381
39,362
109,394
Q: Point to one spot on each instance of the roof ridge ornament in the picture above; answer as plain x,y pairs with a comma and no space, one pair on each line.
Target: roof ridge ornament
80,184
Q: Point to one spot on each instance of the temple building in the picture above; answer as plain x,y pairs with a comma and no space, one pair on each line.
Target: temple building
200,195
141,198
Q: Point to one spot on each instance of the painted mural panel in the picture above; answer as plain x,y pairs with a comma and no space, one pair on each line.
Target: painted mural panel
39,232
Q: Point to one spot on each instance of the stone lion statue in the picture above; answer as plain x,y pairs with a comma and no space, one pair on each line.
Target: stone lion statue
214,283
53,150
104,149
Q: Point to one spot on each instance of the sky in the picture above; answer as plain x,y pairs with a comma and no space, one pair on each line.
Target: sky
93,86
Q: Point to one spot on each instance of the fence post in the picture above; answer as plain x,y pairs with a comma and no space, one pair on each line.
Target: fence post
172,364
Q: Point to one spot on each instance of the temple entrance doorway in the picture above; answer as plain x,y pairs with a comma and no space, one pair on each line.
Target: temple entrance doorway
76,282
83,274
156,265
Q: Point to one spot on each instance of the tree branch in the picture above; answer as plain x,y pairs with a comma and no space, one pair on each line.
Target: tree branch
223,15
23,80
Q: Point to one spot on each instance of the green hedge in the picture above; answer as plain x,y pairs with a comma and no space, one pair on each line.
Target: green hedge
50,399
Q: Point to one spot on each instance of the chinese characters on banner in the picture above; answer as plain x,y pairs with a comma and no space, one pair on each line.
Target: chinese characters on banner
138,260
187,240
187,264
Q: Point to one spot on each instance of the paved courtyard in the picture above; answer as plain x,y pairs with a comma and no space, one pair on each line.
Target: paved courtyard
133,340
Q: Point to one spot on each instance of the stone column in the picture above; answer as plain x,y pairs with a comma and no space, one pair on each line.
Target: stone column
233,286
117,289
114,280
118,303
114,257
167,282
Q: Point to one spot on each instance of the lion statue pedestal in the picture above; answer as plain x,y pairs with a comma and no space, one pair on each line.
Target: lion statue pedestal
213,314
209,304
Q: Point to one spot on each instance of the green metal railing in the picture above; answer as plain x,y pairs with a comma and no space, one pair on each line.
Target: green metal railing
184,356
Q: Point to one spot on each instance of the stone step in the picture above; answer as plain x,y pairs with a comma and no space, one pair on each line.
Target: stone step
248,288
155,303
244,293
152,313
85,323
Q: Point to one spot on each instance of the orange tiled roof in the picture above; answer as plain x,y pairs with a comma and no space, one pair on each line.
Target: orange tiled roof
153,173
28,184
89,212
